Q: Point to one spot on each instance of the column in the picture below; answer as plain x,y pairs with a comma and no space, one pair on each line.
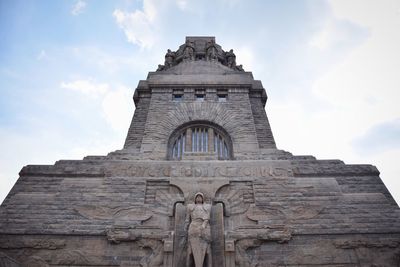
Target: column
188,145
211,140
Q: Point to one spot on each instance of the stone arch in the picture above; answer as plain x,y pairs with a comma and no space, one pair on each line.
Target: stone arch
157,133
200,138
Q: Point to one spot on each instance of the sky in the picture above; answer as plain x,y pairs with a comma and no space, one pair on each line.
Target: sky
331,69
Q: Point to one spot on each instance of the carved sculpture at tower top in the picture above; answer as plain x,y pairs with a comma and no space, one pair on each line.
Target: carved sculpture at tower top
199,234
230,59
169,58
211,51
188,52
197,50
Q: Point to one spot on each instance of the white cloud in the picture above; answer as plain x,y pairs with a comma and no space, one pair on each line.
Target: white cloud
87,87
362,90
245,57
117,61
21,146
118,108
78,7
354,95
182,4
365,84
380,137
42,55
333,33
139,26
116,103
43,146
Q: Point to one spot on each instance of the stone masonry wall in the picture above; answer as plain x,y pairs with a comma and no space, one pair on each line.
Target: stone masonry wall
263,129
136,129
58,217
46,199
165,115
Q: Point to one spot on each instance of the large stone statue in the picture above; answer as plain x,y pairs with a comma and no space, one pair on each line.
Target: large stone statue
199,235
211,52
169,58
188,52
230,59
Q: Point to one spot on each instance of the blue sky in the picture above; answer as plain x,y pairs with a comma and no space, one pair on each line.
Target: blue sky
68,70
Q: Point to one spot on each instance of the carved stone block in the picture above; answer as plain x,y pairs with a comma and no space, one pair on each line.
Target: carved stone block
230,245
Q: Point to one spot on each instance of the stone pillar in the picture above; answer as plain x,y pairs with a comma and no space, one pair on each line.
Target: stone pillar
230,253
218,236
211,140
188,145
168,252
180,235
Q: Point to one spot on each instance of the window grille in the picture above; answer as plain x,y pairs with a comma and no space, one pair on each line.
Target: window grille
220,146
200,140
179,147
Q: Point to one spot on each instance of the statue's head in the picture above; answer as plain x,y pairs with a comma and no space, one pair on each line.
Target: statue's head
199,198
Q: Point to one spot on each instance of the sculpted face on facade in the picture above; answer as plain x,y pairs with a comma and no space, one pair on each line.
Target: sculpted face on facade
199,182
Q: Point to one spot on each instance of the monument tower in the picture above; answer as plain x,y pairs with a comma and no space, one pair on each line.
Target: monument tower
199,182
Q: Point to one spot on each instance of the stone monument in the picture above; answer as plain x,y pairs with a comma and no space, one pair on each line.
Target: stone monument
199,182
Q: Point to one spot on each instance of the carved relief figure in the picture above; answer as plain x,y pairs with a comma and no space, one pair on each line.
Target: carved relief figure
239,68
169,58
160,67
188,52
230,59
242,259
156,257
199,234
211,52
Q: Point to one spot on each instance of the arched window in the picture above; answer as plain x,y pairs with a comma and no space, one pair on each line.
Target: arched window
200,139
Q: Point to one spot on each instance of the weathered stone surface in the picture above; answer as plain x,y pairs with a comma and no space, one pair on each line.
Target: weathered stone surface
6,261
267,207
